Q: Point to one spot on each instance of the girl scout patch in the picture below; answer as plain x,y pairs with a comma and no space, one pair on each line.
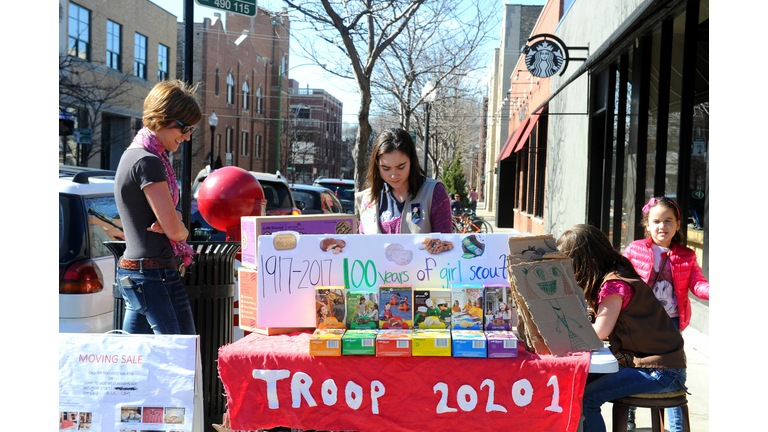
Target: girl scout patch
416,212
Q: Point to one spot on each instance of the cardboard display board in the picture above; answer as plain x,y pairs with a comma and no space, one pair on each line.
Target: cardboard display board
552,308
253,227
291,266
130,382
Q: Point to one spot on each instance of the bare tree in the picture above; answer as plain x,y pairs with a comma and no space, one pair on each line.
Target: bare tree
441,41
94,89
361,30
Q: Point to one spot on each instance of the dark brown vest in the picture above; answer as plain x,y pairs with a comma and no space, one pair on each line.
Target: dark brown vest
644,333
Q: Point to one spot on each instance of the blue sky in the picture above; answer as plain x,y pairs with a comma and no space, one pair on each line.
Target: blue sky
315,77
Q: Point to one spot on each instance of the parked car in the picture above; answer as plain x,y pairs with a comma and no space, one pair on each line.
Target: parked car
279,200
316,200
343,188
87,217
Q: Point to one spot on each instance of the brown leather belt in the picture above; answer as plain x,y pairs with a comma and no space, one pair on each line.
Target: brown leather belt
148,263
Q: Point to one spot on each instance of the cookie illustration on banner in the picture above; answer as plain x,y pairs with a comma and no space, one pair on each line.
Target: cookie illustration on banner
344,227
332,245
284,241
436,246
396,253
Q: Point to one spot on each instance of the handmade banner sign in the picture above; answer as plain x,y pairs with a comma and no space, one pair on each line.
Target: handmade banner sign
292,266
272,381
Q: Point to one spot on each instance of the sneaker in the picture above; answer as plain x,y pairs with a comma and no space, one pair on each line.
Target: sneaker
631,419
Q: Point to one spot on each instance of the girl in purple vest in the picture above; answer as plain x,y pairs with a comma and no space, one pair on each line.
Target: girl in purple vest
647,345
400,199
669,268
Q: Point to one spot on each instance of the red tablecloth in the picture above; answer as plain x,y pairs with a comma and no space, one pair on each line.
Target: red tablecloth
272,381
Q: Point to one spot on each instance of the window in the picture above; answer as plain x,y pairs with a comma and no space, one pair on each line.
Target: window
140,56
258,100
245,95
244,144
257,147
162,62
216,83
114,59
79,32
230,89
229,141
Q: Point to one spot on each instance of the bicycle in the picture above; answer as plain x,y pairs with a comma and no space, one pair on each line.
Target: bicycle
468,223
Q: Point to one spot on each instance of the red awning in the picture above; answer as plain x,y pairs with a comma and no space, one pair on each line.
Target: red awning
524,137
511,142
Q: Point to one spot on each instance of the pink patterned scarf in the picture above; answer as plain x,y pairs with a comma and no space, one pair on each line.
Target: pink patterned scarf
146,139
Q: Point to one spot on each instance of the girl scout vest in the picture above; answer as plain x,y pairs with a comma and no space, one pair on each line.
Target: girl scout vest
415,216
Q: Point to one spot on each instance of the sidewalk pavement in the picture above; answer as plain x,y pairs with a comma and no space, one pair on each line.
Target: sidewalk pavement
697,354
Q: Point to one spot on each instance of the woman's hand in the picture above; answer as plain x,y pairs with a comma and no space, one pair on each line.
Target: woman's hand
157,228
168,218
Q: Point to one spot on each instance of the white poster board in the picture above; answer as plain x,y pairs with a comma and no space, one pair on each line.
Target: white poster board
291,266
118,382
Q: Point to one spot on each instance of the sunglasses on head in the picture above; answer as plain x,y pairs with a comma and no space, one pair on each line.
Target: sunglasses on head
185,128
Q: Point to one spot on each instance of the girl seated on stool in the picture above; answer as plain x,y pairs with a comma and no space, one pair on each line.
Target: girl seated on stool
646,342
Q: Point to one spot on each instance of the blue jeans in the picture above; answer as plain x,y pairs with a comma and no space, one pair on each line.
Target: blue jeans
602,388
675,415
155,302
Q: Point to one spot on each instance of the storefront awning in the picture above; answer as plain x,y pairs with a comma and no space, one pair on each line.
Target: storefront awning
511,142
524,137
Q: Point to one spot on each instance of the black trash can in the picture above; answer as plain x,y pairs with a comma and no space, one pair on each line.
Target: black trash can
210,285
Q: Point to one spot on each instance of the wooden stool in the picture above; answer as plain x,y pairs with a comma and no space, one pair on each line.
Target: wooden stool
657,402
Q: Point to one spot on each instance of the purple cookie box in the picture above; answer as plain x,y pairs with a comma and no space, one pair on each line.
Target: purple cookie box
496,341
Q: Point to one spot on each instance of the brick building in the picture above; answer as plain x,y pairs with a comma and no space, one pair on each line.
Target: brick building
240,82
111,54
314,134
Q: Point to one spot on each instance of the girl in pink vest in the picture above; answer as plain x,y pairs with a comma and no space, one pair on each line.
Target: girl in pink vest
670,269
665,264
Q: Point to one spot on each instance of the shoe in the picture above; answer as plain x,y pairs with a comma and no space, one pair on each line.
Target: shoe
631,419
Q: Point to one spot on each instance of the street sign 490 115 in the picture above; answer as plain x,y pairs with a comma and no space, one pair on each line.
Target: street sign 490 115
241,7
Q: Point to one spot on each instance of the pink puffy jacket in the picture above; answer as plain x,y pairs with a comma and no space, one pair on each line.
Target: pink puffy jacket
685,271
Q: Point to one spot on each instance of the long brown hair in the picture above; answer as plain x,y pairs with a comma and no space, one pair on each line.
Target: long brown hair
387,142
593,257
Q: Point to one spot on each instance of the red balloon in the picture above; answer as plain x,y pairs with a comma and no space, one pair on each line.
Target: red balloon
226,195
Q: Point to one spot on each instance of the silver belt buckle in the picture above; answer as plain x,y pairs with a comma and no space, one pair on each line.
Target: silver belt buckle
182,269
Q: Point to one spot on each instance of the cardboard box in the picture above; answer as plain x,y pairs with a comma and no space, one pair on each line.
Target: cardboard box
395,306
330,307
393,343
501,344
362,309
326,342
431,342
431,308
469,343
253,226
466,307
500,313
247,305
359,342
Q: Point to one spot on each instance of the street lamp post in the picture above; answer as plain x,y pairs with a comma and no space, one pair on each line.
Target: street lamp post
213,121
428,93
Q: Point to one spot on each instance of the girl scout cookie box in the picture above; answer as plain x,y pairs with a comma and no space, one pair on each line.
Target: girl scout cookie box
395,306
393,343
431,308
469,343
326,342
362,309
499,313
466,307
359,342
501,344
431,342
330,309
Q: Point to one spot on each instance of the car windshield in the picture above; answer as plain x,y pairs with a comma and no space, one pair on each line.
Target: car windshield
310,200
342,190
277,194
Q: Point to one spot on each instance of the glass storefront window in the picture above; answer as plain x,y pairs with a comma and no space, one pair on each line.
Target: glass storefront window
653,109
675,92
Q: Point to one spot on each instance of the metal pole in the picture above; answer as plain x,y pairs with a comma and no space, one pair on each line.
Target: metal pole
279,113
186,160
426,141
213,129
